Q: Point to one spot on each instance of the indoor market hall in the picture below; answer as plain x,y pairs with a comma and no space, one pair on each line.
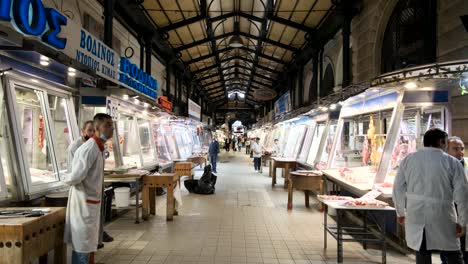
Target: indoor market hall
233,131
244,221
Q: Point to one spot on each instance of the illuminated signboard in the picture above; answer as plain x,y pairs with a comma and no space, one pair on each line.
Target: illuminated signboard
34,20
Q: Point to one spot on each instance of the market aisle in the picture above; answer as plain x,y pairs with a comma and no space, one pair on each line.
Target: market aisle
246,221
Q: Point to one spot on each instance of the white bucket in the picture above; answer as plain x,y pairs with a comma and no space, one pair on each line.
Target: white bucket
122,197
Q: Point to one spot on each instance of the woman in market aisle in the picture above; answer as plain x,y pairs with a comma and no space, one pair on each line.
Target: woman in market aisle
428,183
456,148
257,154
84,199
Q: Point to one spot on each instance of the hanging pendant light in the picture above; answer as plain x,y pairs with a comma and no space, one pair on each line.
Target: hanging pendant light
236,42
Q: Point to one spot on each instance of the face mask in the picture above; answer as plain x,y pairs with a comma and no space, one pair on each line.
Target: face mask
103,138
86,138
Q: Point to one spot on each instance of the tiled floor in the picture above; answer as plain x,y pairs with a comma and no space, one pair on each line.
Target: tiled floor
246,221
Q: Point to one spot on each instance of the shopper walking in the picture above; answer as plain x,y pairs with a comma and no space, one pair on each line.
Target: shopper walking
456,149
427,184
247,146
257,154
213,151
84,199
239,144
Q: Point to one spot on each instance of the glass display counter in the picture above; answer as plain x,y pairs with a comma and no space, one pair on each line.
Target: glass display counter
38,124
376,131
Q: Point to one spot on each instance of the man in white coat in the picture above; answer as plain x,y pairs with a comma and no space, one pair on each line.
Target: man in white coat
428,183
87,132
456,148
84,198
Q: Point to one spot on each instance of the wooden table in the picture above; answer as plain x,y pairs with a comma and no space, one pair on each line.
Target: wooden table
198,160
306,181
23,240
129,177
150,182
284,163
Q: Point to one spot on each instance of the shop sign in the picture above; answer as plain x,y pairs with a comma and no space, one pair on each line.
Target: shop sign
112,108
165,103
134,77
194,110
33,19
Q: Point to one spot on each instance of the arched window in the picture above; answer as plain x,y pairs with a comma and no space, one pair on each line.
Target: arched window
328,82
410,36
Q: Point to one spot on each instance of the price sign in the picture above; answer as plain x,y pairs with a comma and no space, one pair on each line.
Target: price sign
112,109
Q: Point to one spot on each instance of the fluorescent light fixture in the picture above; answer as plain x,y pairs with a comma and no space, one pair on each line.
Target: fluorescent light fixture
410,85
71,74
34,81
136,101
44,63
146,105
333,106
135,97
125,96
70,69
44,58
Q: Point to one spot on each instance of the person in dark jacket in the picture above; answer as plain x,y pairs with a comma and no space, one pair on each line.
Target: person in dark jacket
213,151
206,184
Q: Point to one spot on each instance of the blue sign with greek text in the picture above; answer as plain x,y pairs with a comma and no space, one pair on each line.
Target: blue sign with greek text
31,18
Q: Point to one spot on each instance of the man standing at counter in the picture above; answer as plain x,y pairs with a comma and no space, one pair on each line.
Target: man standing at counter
456,148
213,150
87,132
84,198
427,185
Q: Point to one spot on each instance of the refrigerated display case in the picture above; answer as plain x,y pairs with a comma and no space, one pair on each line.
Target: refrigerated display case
38,123
319,137
377,129
133,144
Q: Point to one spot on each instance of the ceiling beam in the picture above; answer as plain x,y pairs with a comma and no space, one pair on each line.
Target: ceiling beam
179,24
208,55
206,77
247,35
263,34
290,23
232,58
268,57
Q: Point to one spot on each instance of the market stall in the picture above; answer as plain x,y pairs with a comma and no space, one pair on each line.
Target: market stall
377,129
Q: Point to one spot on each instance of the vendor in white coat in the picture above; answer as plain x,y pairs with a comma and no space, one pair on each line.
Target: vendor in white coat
87,132
456,148
84,199
427,185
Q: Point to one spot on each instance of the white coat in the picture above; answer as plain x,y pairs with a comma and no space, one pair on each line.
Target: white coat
256,150
71,151
84,199
427,184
